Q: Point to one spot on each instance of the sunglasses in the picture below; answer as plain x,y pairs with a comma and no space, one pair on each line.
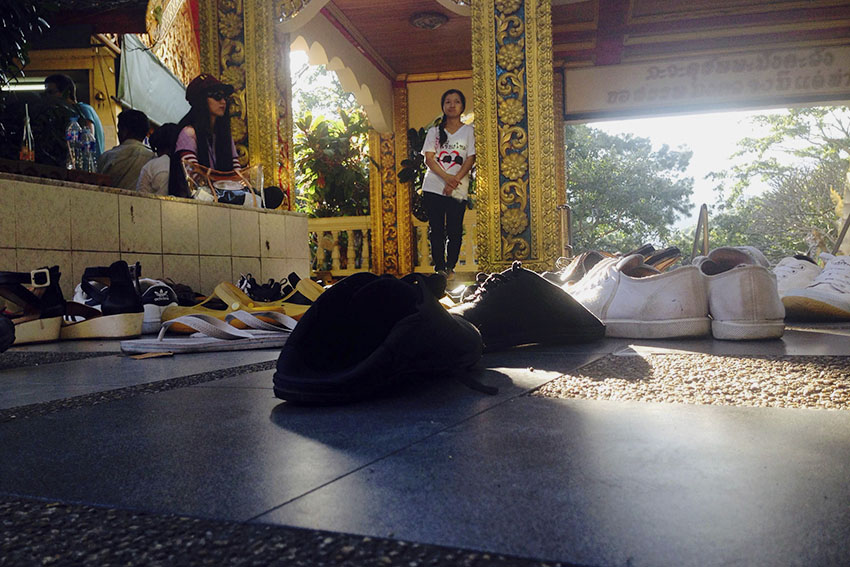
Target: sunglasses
217,95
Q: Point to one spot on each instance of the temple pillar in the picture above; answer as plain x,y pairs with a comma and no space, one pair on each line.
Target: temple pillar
257,66
515,134
389,199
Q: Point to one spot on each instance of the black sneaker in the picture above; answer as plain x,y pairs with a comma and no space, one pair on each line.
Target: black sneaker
367,335
518,307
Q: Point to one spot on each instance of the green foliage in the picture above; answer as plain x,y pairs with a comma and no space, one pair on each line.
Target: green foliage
21,22
332,164
804,159
622,193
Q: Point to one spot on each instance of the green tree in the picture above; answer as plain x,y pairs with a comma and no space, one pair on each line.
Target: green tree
804,160
332,161
621,191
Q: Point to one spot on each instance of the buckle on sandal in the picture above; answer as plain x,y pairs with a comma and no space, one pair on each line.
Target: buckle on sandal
40,277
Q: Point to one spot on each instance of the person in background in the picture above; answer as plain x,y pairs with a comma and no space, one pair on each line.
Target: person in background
205,136
124,162
449,151
63,86
154,175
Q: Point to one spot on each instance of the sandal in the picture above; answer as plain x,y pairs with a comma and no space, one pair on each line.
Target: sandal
228,298
36,312
213,334
120,313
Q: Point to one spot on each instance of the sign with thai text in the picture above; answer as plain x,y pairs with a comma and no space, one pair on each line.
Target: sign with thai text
740,80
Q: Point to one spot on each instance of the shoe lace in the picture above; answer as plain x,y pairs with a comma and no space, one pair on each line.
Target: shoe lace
488,282
787,267
836,275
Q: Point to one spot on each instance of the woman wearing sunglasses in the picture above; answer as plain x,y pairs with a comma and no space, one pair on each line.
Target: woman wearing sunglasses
205,136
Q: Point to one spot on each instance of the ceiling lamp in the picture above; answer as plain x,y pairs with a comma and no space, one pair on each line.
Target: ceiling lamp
428,20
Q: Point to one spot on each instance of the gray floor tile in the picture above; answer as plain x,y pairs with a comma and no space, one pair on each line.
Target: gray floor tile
33,385
230,450
610,483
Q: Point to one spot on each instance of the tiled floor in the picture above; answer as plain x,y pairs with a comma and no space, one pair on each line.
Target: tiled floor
580,481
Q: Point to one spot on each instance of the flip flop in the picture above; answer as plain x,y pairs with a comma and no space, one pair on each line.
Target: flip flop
214,334
228,298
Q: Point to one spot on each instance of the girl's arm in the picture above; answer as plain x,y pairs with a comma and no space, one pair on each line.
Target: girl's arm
454,180
432,164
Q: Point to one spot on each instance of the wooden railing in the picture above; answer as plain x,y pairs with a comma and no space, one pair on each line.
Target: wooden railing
343,246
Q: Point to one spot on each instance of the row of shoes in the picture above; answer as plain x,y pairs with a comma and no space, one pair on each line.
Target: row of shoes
109,302
116,302
244,316
731,292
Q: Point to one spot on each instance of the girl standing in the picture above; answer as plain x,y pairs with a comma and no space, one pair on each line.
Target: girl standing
449,151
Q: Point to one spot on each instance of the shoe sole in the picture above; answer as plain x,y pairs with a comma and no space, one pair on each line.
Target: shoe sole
806,308
37,331
309,391
122,325
747,330
153,317
662,329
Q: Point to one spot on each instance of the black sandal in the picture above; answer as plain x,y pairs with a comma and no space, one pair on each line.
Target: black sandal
36,312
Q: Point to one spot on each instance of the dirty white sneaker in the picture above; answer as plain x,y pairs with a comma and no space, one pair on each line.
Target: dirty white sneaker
156,296
742,297
827,298
795,272
634,300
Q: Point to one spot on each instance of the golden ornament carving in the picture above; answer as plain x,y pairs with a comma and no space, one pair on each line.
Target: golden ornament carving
511,111
508,6
512,82
288,9
171,37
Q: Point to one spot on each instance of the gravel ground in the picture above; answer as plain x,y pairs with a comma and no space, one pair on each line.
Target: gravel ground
49,533
770,381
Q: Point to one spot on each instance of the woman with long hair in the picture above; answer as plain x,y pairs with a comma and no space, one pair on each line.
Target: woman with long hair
449,151
205,136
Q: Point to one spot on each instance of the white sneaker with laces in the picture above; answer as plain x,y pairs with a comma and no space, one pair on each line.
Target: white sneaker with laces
634,300
795,272
156,296
742,297
827,298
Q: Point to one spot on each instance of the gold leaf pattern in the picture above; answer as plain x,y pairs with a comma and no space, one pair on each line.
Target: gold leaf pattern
508,6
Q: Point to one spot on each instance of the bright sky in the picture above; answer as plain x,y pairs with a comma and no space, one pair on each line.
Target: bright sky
712,137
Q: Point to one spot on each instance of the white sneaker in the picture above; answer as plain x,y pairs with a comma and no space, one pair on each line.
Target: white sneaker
795,272
742,297
156,296
637,301
827,297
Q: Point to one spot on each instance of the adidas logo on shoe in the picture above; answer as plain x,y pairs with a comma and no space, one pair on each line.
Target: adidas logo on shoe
156,297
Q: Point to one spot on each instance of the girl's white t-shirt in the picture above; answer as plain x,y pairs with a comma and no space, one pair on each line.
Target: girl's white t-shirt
451,157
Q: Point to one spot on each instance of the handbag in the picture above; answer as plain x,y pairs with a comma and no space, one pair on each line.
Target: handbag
228,187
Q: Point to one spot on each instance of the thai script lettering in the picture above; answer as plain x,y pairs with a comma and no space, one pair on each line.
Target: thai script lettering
766,73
